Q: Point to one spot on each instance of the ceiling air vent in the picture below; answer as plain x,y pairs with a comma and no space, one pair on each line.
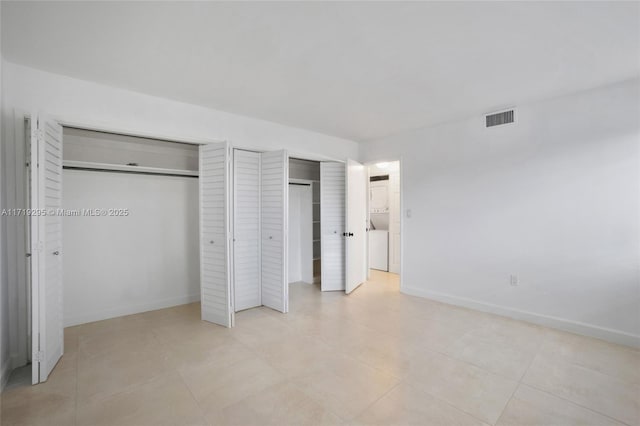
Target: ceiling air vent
500,118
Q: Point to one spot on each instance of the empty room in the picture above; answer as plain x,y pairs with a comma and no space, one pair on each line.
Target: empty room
319,213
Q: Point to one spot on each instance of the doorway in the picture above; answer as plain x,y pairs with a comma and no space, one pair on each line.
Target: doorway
384,210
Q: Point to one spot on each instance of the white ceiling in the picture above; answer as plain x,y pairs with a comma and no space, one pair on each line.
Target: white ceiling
357,70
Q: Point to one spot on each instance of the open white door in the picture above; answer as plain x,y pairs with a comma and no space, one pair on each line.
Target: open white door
274,172
332,226
246,229
46,246
356,188
215,280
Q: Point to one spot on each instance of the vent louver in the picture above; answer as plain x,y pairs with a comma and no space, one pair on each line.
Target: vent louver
499,118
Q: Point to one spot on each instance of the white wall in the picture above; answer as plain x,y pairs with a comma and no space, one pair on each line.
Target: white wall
147,260
97,105
554,199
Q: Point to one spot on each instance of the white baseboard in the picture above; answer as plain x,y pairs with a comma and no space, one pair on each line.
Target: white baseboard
5,371
130,309
577,327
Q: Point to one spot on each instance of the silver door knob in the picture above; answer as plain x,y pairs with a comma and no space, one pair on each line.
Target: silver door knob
211,242
56,253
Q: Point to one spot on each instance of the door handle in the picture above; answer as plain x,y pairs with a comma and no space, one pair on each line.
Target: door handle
56,253
347,234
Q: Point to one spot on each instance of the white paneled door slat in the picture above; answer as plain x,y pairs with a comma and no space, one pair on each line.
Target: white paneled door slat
215,277
46,246
274,178
332,225
246,229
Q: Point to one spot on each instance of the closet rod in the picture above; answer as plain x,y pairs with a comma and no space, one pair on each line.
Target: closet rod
300,184
135,172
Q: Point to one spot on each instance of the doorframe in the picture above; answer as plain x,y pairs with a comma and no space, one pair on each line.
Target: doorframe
402,210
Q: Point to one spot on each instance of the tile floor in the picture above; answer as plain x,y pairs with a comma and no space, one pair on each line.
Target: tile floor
374,357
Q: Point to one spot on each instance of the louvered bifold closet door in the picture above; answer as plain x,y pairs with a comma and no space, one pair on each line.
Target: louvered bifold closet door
332,226
274,210
46,187
246,225
214,234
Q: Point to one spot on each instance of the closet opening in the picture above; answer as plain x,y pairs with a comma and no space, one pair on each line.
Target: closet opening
304,237
131,235
120,235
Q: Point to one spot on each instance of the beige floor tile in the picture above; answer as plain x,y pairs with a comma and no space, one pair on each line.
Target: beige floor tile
163,401
281,404
346,386
120,368
181,332
614,360
341,334
219,350
297,356
217,386
257,327
39,408
531,407
467,387
434,336
71,339
461,317
388,353
407,405
376,355
504,347
588,388
107,342
50,403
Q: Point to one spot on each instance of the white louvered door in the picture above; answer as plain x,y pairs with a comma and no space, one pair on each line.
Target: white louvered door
215,279
246,229
274,212
332,226
46,246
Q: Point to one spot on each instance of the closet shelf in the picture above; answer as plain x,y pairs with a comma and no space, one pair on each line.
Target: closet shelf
125,168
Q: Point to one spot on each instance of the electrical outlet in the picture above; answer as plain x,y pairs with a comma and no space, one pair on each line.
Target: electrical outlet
513,280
